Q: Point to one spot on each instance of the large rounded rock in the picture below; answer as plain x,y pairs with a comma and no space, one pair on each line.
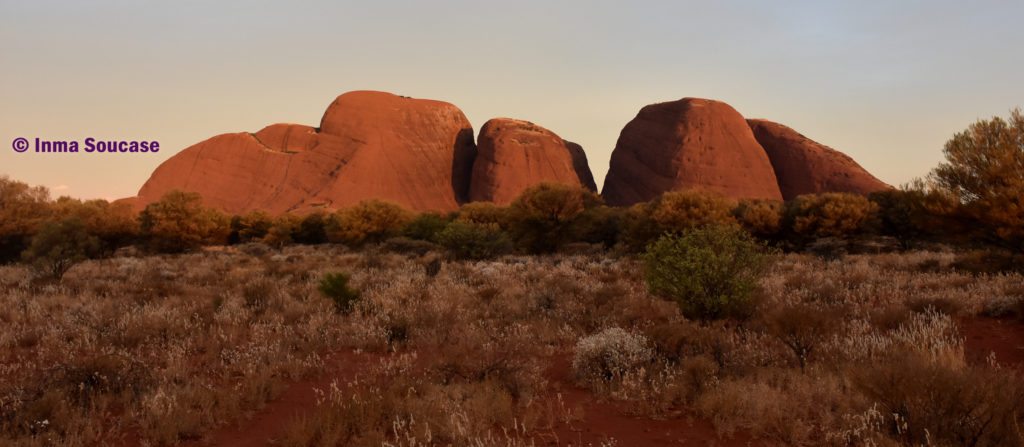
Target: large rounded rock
804,166
513,155
688,144
370,145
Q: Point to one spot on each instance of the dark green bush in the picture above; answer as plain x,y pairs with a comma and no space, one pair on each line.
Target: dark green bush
465,240
425,227
711,272
335,286
60,245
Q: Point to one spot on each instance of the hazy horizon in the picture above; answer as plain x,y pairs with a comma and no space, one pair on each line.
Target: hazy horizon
887,84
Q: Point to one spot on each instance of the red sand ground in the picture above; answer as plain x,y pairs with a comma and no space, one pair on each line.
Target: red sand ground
598,421
983,336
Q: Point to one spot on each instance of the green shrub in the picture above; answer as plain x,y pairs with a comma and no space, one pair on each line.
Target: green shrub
22,210
335,286
465,240
59,245
425,227
710,272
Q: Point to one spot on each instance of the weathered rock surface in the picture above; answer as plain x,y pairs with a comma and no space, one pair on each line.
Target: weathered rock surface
370,145
804,166
688,144
513,155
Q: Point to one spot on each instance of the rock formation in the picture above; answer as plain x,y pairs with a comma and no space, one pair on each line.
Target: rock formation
513,155
804,166
370,145
420,154
688,144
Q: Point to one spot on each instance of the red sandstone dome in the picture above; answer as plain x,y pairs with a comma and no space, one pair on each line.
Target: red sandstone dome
370,145
513,155
688,144
420,154
804,166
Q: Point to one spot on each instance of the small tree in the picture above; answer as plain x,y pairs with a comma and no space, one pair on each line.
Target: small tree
114,224
485,213
60,245
984,170
367,222
253,226
762,218
710,272
829,215
465,240
543,215
22,210
179,222
425,227
281,229
678,211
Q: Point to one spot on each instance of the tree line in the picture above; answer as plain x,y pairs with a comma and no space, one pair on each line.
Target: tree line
974,197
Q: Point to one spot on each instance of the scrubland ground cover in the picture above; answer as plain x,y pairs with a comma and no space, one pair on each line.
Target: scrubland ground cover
159,350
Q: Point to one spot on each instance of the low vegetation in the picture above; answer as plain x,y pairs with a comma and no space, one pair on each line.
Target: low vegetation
831,319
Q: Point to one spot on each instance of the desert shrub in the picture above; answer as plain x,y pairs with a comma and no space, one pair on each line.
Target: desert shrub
802,328
710,272
829,215
281,229
336,287
369,221
762,218
311,229
113,224
60,245
485,213
679,211
465,240
903,214
22,211
425,227
984,171
933,404
408,246
179,222
543,215
251,227
609,354
598,225
637,229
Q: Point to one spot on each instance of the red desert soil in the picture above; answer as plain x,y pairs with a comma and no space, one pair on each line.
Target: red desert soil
604,421
598,421
1005,338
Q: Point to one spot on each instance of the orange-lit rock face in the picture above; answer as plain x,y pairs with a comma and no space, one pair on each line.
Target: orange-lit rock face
514,155
370,145
688,144
806,167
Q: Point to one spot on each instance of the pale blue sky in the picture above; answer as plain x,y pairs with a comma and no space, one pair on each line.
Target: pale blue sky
887,82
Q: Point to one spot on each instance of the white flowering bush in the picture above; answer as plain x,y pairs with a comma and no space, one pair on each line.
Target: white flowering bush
609,354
